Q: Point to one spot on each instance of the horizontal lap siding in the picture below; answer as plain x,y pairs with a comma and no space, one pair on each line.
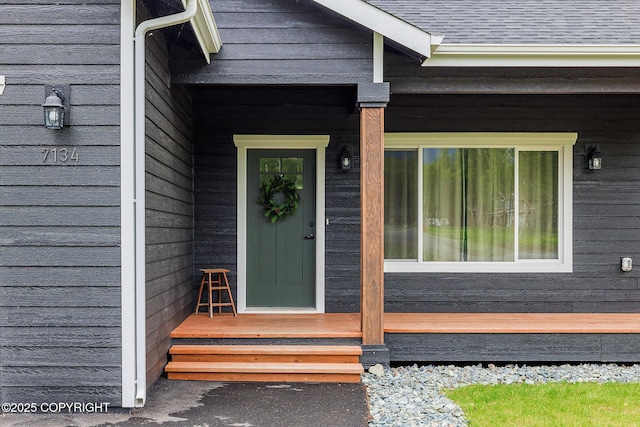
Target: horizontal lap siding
606,205
513,347
169,206
271,43
219,113
280,42
60,222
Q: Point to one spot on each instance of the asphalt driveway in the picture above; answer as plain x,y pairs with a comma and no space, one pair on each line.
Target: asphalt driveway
213,404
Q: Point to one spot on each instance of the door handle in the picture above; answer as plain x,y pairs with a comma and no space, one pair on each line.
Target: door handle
309,236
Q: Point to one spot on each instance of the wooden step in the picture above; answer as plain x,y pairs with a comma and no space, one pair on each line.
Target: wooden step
266,353
266,349
296,368
268,372
268,363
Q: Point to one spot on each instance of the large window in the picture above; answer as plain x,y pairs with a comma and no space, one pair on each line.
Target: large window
477,202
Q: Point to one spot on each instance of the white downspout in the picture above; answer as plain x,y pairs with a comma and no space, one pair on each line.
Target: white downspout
139,294
127,205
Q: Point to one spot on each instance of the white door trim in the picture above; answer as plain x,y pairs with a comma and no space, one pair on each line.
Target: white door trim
247,142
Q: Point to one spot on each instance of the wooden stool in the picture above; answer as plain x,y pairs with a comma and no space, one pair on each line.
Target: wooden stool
215,285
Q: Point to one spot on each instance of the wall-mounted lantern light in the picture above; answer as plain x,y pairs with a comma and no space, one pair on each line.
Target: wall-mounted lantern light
54,110
594,158
346,159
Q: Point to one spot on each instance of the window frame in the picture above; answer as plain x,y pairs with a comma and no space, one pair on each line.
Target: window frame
562,143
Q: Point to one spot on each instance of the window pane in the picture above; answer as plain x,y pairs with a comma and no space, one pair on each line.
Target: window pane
270,165
292,164
538,219
468,204
290,167
401,204
293,168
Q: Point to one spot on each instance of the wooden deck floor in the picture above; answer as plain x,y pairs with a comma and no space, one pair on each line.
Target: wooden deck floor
347,325
512,323
329,325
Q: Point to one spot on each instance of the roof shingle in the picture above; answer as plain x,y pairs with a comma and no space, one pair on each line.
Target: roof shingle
522,21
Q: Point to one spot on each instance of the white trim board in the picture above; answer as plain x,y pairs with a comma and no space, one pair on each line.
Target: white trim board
379,21
205,29
247,142
533,55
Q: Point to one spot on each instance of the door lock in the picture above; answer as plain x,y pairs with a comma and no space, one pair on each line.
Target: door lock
309,236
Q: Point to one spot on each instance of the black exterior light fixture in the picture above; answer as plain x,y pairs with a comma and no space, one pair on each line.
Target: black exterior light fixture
54,108
345,161
594,158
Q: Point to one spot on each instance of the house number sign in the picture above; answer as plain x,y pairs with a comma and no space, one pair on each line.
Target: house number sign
60,155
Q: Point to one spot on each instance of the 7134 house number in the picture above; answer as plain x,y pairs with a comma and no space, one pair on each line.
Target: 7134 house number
60,155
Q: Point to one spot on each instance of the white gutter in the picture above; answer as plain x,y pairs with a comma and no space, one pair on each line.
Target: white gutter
205,29
534,55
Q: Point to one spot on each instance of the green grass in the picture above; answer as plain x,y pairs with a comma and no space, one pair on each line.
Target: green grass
552,404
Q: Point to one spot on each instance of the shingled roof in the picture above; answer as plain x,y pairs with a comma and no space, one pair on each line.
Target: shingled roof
579,22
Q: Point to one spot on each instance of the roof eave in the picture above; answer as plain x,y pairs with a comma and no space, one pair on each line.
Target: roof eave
534,55
384,23
205,29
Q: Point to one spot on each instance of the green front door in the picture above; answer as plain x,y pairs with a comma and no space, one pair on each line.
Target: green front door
281,254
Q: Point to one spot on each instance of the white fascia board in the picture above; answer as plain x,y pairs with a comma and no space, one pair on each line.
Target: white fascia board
534,55
384,23
205,29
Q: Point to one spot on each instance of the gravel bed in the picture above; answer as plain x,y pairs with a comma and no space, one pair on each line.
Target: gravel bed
410,395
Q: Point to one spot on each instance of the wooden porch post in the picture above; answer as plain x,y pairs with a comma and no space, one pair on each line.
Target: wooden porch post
372,99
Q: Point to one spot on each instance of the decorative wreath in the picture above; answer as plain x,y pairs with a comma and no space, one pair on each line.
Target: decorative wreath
278,184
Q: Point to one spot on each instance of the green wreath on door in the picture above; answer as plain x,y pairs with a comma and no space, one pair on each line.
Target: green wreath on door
272,209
